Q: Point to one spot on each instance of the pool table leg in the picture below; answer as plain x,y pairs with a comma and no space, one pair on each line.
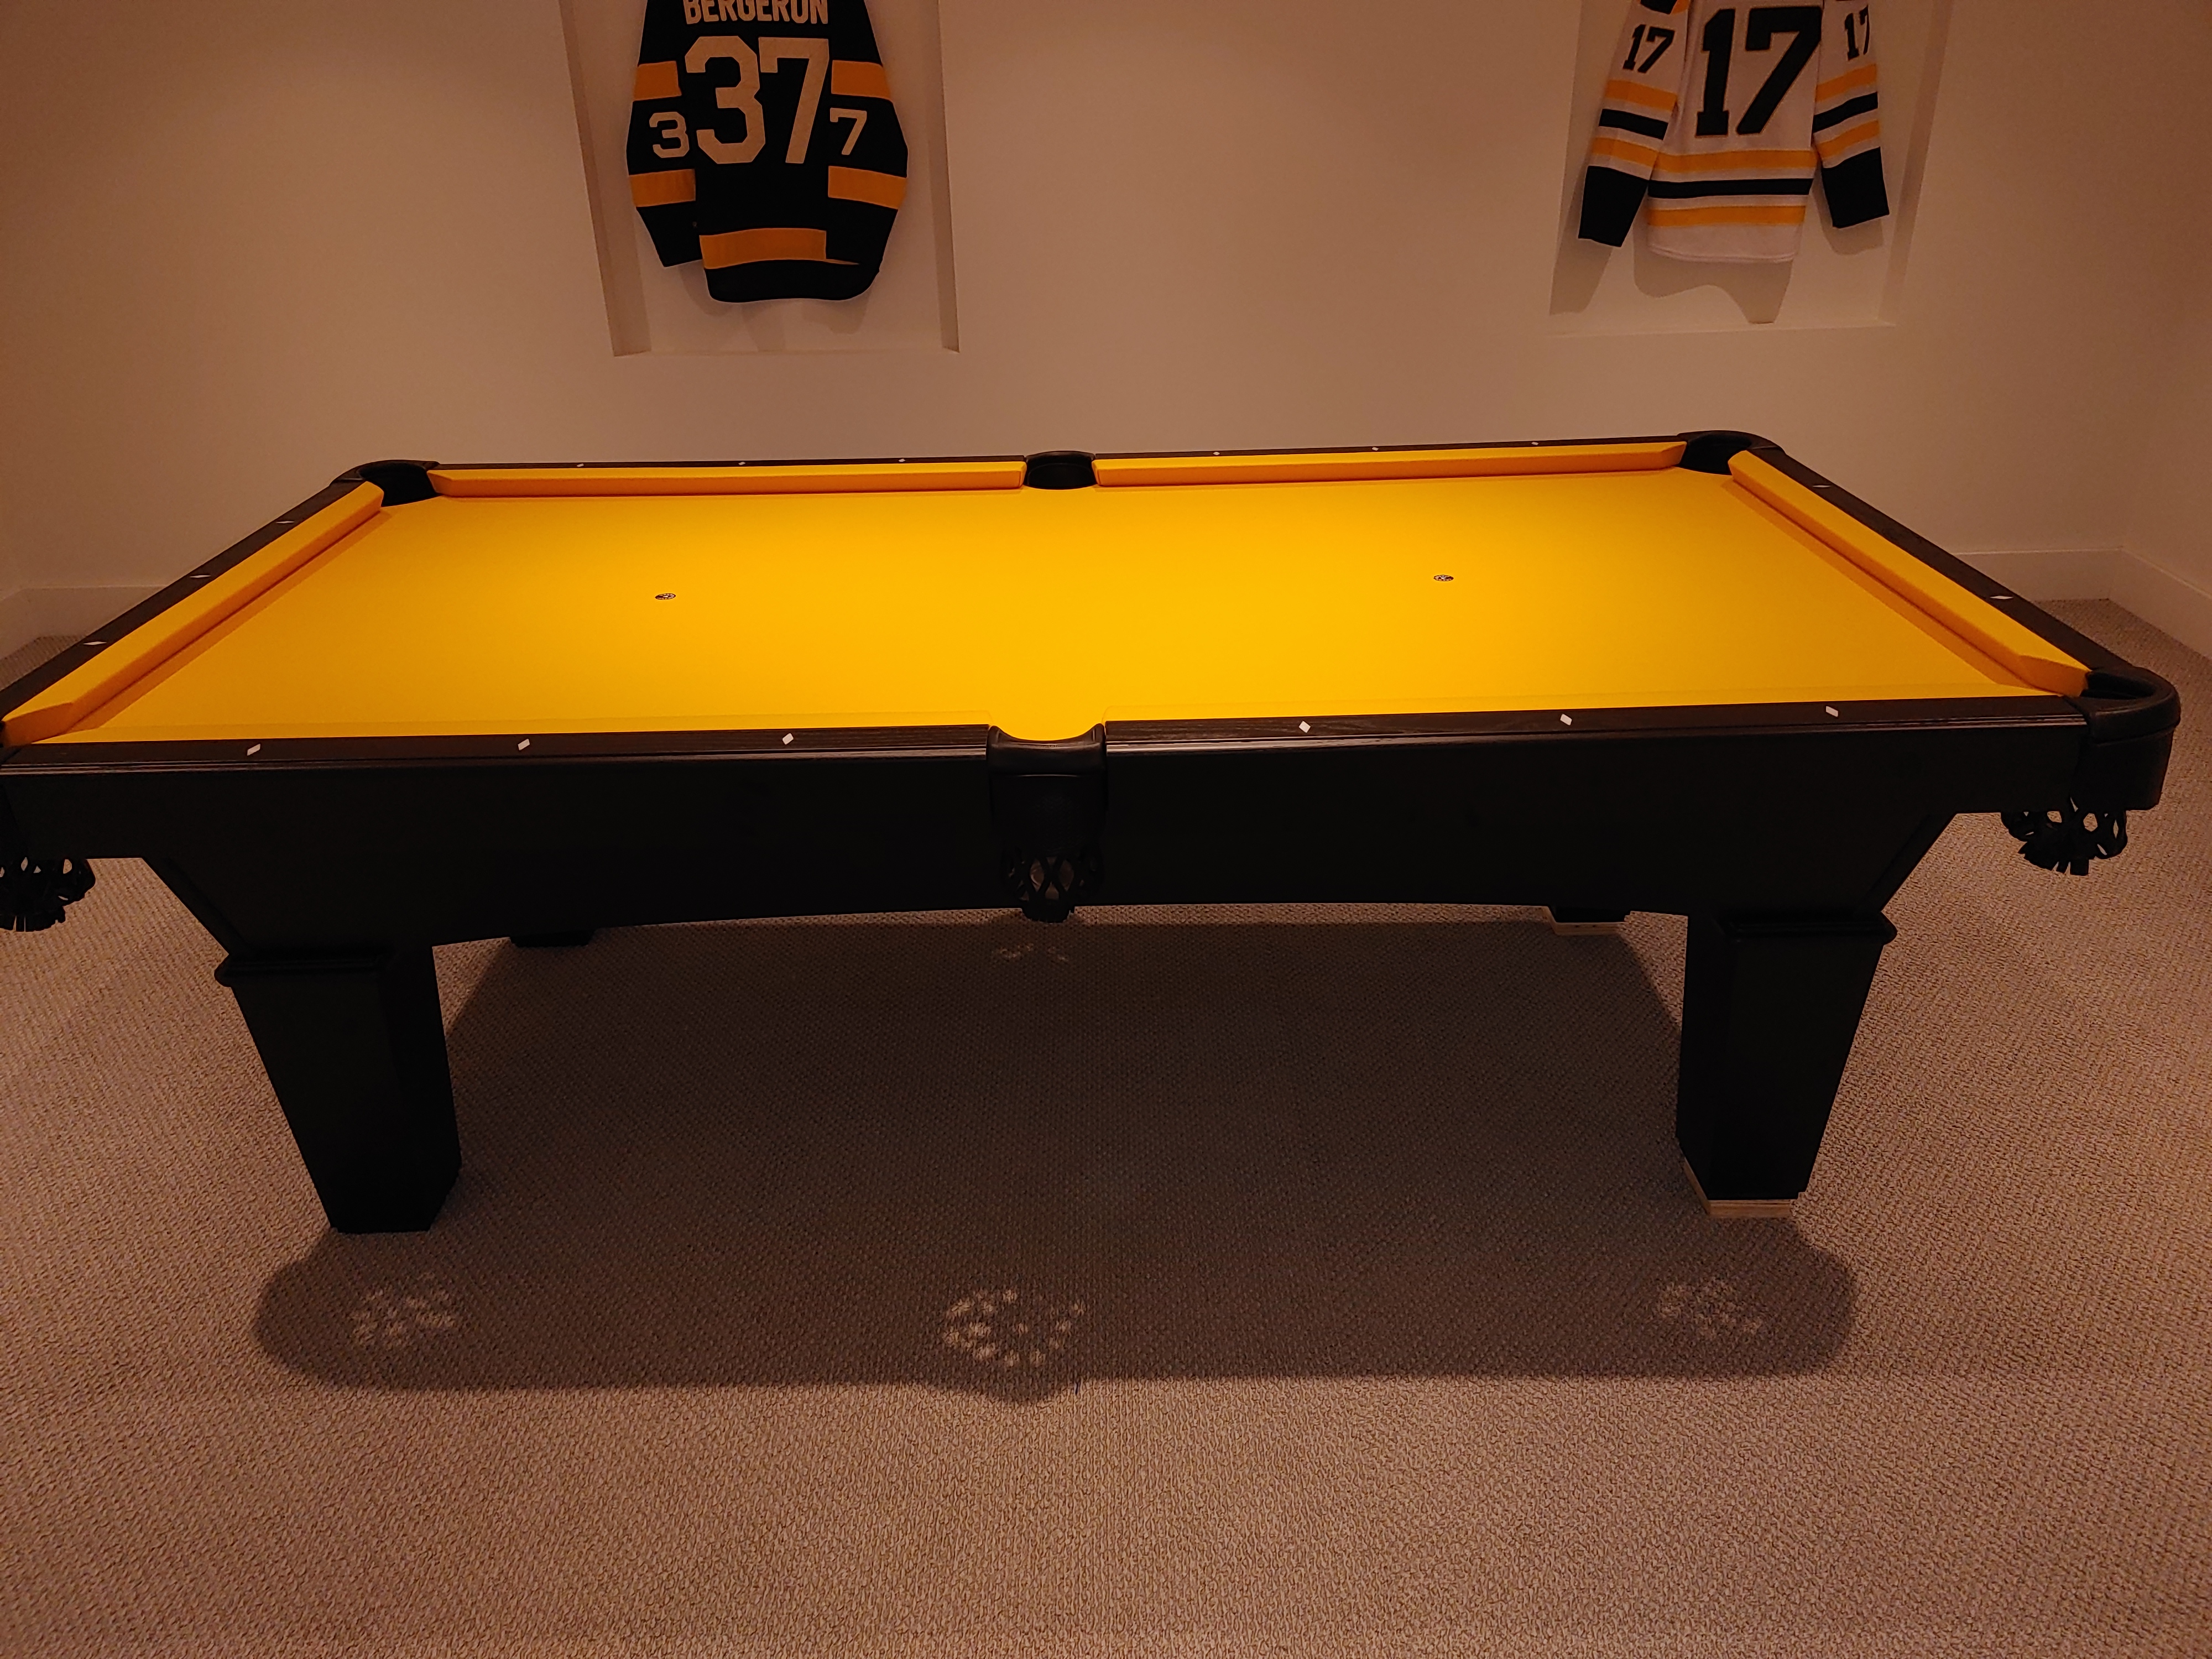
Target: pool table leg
355,1048
1770,1007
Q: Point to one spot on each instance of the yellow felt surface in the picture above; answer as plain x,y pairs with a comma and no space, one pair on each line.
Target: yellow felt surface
826,478
1043,611
2006,639
128,661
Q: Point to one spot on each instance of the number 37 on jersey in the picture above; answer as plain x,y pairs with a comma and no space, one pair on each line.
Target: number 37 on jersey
764,145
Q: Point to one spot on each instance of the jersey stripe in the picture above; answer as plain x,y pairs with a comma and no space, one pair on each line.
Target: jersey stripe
849,77
1832,149
1621,121
1864,75
1620,149
1739,161
1628,92
1792,215
885,190
753,247
1845,111
655,82
660,189
1678,190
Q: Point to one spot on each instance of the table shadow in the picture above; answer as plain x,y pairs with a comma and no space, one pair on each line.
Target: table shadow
1001,1157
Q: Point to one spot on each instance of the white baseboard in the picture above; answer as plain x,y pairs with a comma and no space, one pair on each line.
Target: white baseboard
2060,573
2172,604
31,613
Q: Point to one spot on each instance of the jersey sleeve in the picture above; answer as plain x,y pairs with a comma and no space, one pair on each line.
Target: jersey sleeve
661,183
1847,117
866,182
1642,90
868,151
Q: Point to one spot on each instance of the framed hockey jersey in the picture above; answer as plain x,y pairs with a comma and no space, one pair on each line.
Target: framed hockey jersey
763,144
1717,117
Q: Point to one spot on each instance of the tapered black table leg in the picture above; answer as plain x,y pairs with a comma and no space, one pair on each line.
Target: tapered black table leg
355,1048
1769,1011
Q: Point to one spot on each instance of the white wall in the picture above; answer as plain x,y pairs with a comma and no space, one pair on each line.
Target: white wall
2169,576
243,247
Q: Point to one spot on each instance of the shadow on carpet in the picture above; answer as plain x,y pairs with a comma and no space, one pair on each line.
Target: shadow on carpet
1006,1158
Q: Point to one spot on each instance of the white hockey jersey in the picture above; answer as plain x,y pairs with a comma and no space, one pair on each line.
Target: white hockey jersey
1719,115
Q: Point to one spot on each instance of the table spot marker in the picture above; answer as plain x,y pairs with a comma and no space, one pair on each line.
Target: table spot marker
1831,709
524,743
1304,726
1566,720
787,737
255,750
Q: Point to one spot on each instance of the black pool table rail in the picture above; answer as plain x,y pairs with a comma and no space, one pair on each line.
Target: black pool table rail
2128,712
1564,724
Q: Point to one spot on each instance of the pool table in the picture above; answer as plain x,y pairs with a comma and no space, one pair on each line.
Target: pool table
1683,674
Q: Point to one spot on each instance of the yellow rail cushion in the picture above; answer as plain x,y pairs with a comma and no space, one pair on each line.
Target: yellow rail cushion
825,479
1503,461
2027,654
70,699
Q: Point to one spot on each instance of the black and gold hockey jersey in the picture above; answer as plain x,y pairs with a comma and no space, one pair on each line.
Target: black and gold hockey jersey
763,143
1720,115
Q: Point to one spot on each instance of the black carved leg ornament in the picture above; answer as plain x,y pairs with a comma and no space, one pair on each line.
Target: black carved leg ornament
35,892
2068,838
1046,885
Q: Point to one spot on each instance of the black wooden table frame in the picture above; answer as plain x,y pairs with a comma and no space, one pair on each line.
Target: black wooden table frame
328,868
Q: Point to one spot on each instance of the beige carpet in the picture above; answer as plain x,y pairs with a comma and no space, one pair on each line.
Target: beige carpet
1357,1302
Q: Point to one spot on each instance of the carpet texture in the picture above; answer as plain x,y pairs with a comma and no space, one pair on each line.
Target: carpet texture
1208,1282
